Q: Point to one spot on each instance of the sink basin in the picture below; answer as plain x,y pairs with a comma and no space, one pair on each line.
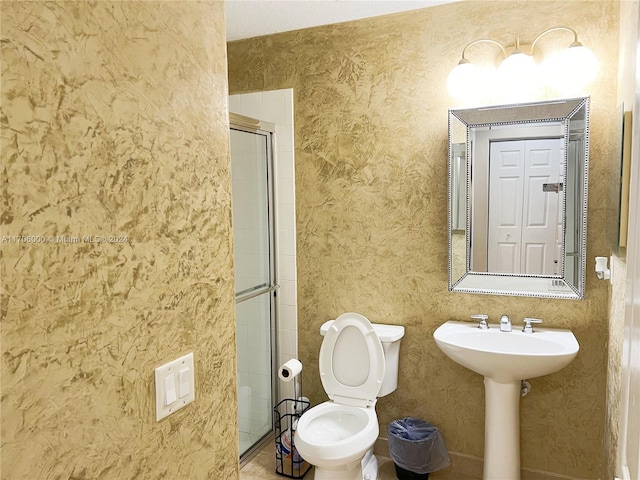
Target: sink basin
505,359
507,356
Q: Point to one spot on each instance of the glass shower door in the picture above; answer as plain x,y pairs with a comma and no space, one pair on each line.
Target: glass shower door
253,231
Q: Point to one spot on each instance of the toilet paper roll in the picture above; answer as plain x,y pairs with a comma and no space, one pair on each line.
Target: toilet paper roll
289,370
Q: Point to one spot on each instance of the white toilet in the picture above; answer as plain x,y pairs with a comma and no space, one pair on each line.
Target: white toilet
358,363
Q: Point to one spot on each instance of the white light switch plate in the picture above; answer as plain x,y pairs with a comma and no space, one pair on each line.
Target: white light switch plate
175,384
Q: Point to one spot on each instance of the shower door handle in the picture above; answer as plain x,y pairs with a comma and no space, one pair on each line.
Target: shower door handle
254,292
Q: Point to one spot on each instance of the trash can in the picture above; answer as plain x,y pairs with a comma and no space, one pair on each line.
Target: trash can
417,448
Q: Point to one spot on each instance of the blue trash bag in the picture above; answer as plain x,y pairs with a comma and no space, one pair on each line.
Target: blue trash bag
417,446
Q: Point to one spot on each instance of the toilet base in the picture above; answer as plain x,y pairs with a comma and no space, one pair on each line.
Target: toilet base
369,466
367,469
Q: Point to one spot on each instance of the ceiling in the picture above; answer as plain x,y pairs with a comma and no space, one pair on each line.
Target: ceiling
253,18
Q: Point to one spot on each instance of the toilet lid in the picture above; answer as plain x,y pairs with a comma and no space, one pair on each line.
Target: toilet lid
352,361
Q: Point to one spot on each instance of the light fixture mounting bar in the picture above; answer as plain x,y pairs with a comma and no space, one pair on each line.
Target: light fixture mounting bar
554,29
482,40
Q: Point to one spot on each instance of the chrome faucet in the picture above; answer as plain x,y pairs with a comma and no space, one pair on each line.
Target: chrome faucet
483,325
528,328
505,323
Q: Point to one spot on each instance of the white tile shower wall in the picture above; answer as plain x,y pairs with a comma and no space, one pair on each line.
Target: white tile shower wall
277,107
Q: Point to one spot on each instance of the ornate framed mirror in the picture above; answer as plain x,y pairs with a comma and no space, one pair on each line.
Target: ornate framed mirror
518,198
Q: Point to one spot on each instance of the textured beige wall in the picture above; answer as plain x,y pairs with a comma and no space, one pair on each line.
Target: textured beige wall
371,146
626,90
114,121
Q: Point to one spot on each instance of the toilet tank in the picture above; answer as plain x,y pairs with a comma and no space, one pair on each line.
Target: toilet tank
390,336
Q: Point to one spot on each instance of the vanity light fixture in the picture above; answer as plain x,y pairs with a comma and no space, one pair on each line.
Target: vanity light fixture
519,77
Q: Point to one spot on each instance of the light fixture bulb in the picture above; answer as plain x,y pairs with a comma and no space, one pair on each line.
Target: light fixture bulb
570,71
519,77
461,79
584,61
471,84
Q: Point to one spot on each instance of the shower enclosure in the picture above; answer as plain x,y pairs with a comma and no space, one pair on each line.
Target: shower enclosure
255,274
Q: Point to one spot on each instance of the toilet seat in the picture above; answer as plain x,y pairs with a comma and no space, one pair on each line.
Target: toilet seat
352,361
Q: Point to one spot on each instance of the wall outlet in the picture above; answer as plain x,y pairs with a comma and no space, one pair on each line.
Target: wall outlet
175,386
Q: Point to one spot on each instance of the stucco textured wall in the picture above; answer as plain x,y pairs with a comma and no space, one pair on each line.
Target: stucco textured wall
626,91
371,189
114,122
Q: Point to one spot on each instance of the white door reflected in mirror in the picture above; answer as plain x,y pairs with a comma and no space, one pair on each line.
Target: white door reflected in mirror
525,217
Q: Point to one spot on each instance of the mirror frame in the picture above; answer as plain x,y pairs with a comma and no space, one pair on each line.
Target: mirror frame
518,115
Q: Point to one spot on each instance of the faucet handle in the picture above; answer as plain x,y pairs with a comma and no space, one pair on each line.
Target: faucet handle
484,325
528,327
505,323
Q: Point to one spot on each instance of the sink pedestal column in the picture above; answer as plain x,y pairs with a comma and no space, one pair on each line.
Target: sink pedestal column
501,430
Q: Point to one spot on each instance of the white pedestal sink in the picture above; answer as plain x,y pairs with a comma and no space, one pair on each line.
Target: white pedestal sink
505,359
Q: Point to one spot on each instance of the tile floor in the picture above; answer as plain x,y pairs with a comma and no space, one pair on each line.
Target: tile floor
262,467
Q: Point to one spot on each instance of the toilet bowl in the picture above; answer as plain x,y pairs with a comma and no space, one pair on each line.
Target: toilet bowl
337,436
